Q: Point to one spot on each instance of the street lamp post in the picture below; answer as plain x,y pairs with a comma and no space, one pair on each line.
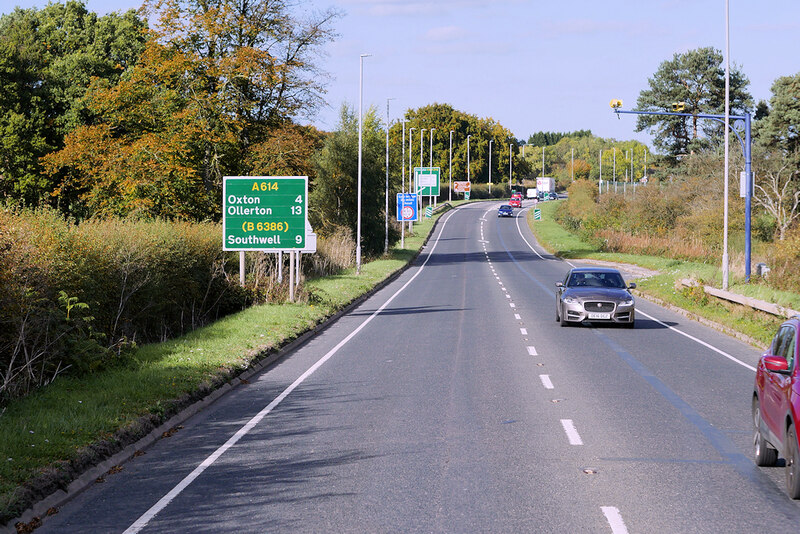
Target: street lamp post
510,169
360,135
450,191
468,178
431,200
430,160
490,166
386,209
403,186
421,163
410,167
572,163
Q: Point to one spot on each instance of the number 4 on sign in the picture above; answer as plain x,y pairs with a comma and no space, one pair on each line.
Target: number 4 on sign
299,199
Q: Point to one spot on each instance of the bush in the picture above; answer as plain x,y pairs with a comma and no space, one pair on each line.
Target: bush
72,297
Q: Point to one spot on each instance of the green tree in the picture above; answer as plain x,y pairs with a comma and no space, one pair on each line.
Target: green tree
779,129
696,78
333,199
214,82
48,58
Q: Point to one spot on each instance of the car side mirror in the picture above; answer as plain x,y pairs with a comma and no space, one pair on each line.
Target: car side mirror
559,284
776,364
632,285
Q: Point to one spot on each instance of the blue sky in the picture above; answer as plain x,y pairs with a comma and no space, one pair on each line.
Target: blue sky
533,65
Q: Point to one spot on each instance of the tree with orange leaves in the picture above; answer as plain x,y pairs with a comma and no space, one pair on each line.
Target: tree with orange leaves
215,80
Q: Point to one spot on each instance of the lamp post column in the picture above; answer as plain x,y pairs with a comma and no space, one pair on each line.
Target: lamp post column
468,178
510,169
450,191
431,200
490,166
386,207
410,166
360,135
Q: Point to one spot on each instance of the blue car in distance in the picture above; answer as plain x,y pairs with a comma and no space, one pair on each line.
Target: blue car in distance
505,211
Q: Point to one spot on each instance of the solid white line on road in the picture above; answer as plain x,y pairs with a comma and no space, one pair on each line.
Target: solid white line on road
715,349
531,246
546,382
572,433
523,331
532,351
145,518
517,317
614,519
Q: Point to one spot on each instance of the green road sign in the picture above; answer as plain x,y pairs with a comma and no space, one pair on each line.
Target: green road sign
264,212
427,181
466,195
429,211
537,214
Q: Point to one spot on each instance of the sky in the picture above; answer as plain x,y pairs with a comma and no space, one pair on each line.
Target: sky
531,65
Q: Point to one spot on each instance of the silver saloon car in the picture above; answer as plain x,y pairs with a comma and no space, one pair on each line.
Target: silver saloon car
597,295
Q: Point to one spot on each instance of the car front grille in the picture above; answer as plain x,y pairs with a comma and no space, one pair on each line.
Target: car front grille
596,306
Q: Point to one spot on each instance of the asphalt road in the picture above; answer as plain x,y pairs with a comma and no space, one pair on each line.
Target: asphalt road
451,401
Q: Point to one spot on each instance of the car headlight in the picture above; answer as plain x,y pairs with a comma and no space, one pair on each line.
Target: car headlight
570,300
627,302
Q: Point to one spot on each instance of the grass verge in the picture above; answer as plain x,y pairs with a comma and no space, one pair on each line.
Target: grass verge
755,324
50,437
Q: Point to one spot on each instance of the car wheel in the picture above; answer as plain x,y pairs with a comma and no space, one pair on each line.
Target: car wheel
792,464
764,456
564,321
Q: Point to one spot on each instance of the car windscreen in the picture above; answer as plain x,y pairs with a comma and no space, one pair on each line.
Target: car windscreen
596,279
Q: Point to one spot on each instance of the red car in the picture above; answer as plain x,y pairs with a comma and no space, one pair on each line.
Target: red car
516,200
776,405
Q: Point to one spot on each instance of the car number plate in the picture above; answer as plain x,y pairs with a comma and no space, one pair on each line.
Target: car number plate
599,316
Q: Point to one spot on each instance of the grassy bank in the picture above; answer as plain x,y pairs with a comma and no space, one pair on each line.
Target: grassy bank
755,324
51,436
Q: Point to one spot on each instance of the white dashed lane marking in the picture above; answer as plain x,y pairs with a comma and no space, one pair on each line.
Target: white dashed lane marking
572,432
546,382
532,351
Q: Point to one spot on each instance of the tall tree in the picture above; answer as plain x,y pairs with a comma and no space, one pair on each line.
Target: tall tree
48,58
780,128
333,198
215,79
696,78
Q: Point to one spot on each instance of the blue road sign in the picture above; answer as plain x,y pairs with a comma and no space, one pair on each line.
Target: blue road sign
406,207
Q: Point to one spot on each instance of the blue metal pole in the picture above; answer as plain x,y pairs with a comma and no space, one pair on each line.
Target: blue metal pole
748,161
